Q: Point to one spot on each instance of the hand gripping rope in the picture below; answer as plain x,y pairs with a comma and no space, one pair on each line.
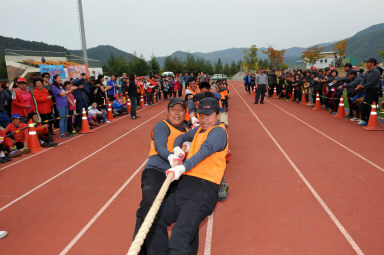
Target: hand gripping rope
148,221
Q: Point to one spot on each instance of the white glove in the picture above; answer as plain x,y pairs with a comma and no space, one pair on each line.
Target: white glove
195,121
178,152
177,171
187,146
172,159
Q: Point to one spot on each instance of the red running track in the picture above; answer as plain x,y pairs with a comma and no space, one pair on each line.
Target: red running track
301,182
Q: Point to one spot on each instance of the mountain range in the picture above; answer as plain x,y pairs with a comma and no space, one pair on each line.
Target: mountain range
364,44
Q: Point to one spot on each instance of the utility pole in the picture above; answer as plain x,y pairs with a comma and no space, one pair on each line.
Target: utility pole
82,32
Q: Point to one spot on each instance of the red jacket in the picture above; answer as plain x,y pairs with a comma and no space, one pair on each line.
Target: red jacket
18,137
43,103
41,130
6,141
18,105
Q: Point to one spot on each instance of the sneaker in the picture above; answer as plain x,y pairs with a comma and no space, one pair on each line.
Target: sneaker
333,113
25,150
3,160
8,158
223,191
355,119
348,116
363,123
74,132
107,121
3,234
15,153
133,117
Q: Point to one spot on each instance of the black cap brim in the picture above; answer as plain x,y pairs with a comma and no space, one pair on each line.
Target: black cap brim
205,111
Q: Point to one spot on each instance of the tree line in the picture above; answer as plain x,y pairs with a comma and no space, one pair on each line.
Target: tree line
191,64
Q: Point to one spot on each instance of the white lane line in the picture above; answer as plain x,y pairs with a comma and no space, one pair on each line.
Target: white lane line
100,212
208,236
77,163
330,138
341,228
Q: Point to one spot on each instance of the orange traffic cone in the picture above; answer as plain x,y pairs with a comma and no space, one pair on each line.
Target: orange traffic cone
109,112
373,124
274,93
128,105
84,123
161,96
293,94
303,98
154,98
33,142
142,102
254,92
340,110
318,103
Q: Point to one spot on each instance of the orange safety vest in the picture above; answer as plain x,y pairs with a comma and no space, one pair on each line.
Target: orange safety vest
173,134
211,168
195,92
187,117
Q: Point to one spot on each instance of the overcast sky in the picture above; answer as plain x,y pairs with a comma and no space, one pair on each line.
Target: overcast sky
162,27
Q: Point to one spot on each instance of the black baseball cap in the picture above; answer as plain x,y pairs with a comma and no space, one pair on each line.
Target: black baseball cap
175,101
373,60
208,106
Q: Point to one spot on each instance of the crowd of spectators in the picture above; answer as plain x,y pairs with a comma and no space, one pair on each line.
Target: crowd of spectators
55,106
359,87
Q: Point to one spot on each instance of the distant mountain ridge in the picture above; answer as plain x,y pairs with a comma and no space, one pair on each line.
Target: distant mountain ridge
365,43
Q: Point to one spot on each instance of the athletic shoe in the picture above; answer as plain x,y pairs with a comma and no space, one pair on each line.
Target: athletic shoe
3,234
133,117
355,119
8,158
3,160
15,153
333,113
348,116
223,191
363,123
25,150
107,121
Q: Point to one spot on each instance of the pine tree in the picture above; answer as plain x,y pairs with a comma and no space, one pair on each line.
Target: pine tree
219,67
154,65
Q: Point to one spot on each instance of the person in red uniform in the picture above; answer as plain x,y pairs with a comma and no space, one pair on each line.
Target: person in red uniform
200,175
19,134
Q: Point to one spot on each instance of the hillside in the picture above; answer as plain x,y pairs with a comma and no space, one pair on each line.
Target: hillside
366,43
102,53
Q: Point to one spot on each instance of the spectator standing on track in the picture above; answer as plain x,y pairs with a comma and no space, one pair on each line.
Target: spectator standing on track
370,85
81,94
160,157
100,92
272,81
353,81
71,108
5,97
247,82
113,87
350,93
261,86
48,85
196,193
60,95
23,104
44,102
132,93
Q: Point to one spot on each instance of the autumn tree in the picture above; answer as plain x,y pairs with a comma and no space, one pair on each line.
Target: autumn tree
311,55
250,58
341,49
276,57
